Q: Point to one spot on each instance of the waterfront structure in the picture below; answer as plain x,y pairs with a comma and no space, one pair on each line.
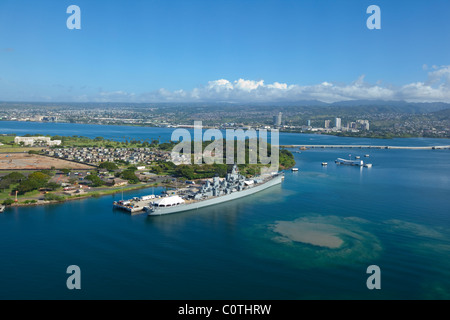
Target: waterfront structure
327,124
359,163
33,141
307,146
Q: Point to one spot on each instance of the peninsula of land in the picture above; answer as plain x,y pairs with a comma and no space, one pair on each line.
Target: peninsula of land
37,169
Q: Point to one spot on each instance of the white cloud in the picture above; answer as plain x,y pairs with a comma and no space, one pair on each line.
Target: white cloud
277,85
436,87
248,85
219,85
440,74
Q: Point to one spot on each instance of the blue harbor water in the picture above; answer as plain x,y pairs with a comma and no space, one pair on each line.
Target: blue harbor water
312,237
122,133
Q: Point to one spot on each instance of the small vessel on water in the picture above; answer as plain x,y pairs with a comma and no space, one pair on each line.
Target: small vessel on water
234,186
2,208
357,157
366,155
294,169
324,164
359,163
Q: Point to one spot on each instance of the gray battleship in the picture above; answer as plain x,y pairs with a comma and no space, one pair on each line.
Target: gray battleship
234,186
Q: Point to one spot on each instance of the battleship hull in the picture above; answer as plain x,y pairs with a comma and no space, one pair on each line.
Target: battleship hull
216,200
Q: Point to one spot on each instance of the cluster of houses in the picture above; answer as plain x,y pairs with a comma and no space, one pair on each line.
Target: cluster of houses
96,155
81,183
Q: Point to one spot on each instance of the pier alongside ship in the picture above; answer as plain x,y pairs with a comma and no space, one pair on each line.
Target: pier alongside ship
234,186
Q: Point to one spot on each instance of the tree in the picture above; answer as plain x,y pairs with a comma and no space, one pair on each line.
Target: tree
40,176
96,181
110,166
14,177
185,171
8,202
4,184
52,186
157,169
57,137
34,181
28,185
130,176
220,169
52,197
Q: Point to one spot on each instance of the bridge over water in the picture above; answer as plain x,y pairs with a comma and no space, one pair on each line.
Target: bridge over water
312,146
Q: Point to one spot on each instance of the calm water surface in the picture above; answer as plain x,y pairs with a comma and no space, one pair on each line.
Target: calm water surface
310,238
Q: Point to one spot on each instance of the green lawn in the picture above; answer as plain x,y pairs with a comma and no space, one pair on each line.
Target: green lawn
6,193
16,148
7,139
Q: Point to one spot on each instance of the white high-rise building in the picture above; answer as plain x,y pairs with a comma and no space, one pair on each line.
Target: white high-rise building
277,119
338,123
363,124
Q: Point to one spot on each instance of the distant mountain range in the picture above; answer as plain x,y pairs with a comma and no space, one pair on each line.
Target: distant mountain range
371,106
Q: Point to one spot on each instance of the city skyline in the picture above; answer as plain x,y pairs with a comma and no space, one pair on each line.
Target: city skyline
202,51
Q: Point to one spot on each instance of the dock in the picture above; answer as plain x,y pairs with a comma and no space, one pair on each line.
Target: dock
323,146
134,205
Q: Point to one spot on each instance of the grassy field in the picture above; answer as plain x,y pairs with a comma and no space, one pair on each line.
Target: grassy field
6,194
34,195
7,139
10,149
77,141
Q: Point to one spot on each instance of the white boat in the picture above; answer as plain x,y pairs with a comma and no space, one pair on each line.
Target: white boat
368,165
148,197
2,208
357,157
324,163
366,155
294,169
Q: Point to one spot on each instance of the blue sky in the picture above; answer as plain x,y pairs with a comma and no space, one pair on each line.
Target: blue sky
224,50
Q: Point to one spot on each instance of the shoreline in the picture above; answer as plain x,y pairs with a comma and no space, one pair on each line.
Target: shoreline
323,146
86,196
394,136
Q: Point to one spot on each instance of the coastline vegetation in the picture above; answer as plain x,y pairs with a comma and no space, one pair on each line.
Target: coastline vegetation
39,187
